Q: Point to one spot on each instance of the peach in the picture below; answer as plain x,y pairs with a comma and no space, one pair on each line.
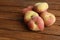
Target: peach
25,10
29,8
48,18
41,7
36,24
29,15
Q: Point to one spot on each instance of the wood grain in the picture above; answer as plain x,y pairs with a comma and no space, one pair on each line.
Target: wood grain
27,35
18,15
17,3
12,26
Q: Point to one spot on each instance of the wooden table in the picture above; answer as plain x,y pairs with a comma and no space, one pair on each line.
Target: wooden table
12,26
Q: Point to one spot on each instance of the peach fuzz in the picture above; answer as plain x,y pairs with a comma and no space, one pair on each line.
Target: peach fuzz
41,7
36,24
49,18
29,15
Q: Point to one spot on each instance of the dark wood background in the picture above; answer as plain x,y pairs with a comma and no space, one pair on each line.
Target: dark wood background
12,26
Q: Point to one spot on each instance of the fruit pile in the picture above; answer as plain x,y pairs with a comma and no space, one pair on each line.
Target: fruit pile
37,16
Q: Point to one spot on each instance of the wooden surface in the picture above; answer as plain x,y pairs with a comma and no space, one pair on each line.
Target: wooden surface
12,26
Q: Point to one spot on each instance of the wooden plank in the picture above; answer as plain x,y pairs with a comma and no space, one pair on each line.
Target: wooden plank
27,35
13,12
57,21
52,30
11,15
55,12
53,1
17,9
54,7
17,3
12,25
19,15
9,9
6,38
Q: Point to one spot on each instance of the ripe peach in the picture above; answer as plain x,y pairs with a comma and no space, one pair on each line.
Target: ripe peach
29,8
48,18
25,10
41,7
36,24
29,15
